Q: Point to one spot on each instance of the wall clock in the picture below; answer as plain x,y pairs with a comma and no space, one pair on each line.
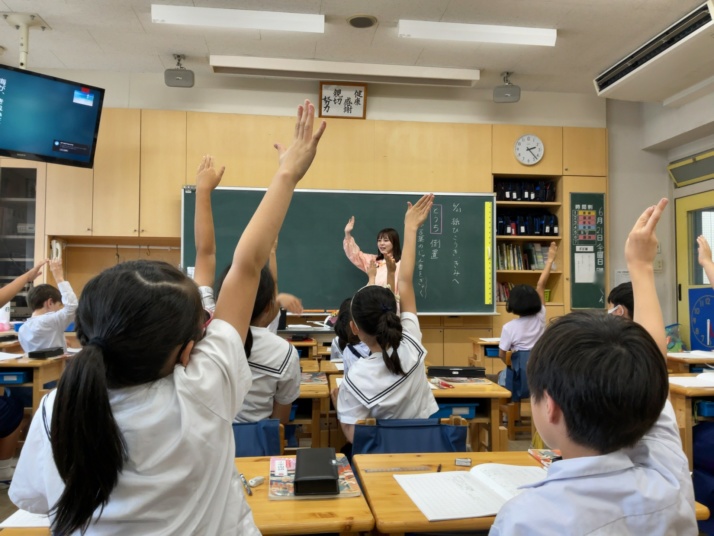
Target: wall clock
529,149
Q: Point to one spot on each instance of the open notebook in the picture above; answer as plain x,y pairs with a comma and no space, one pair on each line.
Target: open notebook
461,494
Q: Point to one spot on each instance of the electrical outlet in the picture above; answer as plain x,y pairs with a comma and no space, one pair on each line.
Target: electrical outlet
658,264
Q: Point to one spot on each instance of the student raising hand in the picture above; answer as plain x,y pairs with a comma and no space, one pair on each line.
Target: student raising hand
296,159
705,258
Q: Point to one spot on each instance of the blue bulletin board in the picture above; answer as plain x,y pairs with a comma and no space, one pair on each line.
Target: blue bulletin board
701,318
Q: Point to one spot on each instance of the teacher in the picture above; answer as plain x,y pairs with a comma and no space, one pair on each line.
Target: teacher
387,243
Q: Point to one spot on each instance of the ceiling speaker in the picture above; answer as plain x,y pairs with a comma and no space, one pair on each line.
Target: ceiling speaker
178,77
507,93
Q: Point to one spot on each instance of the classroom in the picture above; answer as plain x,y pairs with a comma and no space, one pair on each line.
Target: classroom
453,114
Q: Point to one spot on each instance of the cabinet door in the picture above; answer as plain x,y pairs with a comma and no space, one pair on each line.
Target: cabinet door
116,174
585,151
433,341
69,201
458,348
504,141
163,172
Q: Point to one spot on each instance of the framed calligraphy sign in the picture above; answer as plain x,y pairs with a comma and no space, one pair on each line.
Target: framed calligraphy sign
343,99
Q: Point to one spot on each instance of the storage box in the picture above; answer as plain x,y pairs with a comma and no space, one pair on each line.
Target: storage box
447,409
25,228
491,351
9,377
705,408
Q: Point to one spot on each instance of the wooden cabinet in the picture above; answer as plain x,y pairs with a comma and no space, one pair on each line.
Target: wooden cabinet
116,174
433,341
585,151
69,201
457,344
504,160
163,172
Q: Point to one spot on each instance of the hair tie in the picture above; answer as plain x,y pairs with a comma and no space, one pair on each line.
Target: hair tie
386,308
99,342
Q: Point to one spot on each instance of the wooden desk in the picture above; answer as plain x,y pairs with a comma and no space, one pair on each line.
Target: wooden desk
320,395
681,398
679,362
310,344
328,367
490,393
493,365
11,346
42,370
309,365
395,513
346,515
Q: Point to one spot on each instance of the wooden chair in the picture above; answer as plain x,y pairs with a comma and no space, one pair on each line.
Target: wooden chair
518,409
397,436
262,438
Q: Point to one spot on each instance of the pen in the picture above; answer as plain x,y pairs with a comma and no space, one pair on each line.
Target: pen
245,485
438,469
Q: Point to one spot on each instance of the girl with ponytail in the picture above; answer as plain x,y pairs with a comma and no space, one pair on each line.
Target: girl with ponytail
391,382
137,438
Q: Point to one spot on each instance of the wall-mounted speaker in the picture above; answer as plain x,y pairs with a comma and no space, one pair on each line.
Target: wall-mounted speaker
178,77
507,93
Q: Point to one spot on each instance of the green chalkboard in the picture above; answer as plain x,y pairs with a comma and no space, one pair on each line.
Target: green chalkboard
587,250
453,275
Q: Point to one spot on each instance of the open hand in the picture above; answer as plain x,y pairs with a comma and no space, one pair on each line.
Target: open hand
390,262
705,252
641,244
419,212
296,159
552,251
291,303
36,271
207,177
350,225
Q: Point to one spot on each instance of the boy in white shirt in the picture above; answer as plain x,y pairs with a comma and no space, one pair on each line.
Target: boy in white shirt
52,312
599,390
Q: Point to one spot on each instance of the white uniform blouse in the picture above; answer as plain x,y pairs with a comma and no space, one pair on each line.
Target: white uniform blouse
180,477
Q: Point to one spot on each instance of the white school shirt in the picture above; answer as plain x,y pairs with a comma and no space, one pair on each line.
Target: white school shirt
180,478
523,332
645,490
349,357
370,390
47,330
335,352
275,366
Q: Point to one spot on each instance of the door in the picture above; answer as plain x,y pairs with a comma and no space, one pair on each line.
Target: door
694,216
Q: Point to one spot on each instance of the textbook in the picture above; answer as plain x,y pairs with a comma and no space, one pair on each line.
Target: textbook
319,378
480,492
282,476
545,456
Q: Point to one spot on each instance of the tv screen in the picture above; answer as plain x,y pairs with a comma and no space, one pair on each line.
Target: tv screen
48,119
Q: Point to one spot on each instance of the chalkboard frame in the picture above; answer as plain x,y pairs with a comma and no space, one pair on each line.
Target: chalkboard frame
488,253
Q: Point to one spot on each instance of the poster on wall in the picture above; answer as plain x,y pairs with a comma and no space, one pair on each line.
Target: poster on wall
701,318
587,251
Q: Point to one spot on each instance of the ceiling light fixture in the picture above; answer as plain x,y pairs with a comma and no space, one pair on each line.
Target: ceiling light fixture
237,18
344,72
480,33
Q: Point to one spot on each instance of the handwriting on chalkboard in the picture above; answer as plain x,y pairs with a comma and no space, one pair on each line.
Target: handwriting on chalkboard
455,255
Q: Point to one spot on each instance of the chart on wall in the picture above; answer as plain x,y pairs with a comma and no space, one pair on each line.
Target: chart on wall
587,251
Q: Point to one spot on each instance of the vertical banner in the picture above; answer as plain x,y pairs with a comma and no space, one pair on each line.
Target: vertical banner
587,251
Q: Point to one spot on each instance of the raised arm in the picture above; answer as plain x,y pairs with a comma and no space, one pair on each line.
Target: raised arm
391,272
415,216
372,273
640,251
207,179
9,291
352,250
235,303
705,258
543,279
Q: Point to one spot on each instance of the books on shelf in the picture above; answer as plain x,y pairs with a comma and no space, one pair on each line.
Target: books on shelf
545,456
482,491
528,256
282,476
319,378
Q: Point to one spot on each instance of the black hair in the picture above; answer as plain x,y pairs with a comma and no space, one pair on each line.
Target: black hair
130,320
263,299
342,326
38,295
622,295
606,373
523,300
374,310
393,237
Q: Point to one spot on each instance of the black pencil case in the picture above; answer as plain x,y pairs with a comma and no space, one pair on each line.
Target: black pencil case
316,472
44,353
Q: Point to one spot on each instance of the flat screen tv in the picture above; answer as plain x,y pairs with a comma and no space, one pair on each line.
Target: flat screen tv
48,119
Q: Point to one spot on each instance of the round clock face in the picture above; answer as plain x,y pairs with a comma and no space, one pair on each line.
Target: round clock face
529,149
702,321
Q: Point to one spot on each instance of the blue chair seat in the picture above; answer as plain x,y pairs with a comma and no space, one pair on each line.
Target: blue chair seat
262,438
395,436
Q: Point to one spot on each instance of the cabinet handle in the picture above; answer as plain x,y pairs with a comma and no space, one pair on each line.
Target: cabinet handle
89,228
134,230
143,230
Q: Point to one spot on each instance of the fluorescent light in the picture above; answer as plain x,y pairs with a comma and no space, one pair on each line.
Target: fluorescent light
344,72
480,33
237,18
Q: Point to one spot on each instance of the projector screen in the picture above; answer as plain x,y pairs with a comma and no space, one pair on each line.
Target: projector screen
48,119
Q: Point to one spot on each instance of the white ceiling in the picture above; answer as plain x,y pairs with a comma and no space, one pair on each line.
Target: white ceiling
119,36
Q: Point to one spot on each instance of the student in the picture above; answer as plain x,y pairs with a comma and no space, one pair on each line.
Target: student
391,382
137,438
529,304
274,362
705,258
12,411
599,391
620,301
52,312
387,242
350,347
